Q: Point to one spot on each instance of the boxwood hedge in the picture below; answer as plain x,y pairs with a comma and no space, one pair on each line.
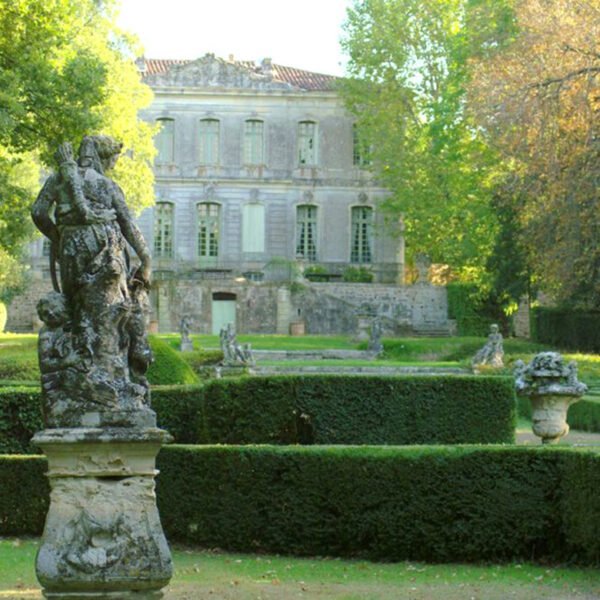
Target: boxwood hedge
440,503
323,409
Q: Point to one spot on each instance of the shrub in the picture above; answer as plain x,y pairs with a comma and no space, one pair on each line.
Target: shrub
326,409
431,504
168,368
357,275
567,328
198,360
20,418
385,503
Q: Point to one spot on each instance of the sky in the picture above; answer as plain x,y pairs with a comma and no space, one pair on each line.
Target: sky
296,33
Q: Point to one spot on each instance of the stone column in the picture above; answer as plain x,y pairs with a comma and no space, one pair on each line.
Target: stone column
400,257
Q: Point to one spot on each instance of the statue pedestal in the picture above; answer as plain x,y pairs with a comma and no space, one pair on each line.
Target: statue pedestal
103,537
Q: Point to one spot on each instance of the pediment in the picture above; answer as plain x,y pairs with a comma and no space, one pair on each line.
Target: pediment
212,72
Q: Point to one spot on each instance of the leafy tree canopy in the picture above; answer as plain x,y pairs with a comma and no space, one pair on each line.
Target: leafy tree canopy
408,68
65,70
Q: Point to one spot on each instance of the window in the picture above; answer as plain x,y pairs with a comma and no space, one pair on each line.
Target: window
361,155
362,234
253,142
209,141
164,141
163,230
208,229
46,247
253,228
307,143
306,232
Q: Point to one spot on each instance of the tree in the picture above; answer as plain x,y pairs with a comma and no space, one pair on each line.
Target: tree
539,102
408,69
65,70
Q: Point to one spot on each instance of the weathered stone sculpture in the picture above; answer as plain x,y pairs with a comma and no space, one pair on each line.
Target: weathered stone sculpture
103,536
234,354
185,326
375,345
492,353
552,387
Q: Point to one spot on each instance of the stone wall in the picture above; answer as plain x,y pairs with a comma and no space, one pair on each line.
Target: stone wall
271,307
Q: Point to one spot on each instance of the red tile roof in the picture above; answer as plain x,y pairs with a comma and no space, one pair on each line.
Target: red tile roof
306,80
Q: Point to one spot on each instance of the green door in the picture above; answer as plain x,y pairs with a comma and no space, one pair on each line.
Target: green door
223,312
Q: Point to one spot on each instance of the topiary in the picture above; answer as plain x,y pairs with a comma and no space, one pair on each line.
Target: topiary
168,367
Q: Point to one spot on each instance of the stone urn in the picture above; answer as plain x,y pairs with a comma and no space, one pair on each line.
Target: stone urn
552,386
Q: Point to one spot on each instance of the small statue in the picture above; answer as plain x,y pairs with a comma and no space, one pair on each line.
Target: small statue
185,326
375,345
492,353
233,353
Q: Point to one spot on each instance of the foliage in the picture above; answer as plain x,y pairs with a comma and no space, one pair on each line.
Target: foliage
567,328
426,503
168,368
357,275
408,68
537,99
434,504
199,359
65,70
332,409
20,418
327,409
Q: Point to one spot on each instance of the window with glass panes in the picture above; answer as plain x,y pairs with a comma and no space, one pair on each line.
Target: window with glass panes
360,150
209,141
164,140
306,232
253,142
208,229
163,230
362,234
307,143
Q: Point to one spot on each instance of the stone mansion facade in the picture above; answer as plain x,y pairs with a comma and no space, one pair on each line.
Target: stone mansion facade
259,170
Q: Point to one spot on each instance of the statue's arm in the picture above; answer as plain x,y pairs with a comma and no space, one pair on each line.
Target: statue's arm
132,234
40,211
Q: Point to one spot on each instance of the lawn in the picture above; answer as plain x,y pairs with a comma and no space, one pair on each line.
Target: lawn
217,575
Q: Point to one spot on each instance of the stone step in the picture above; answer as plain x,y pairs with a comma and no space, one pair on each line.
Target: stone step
362,370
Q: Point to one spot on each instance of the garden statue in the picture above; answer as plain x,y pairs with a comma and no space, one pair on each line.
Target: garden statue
422,266
185,326
234,354
375,345
492,353
103,534
552,387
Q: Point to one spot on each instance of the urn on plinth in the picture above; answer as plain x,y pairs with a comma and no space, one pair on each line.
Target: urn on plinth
103,537
552,386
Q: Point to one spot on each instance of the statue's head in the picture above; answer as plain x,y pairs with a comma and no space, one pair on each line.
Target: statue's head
494,328
52,309
100,152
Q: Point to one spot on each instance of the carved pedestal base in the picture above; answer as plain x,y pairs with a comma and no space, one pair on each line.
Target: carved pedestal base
103,537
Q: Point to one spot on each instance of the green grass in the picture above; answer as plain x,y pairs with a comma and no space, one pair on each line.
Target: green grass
209,574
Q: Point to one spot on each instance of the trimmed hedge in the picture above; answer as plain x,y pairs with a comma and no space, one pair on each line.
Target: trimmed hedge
385,503
567,328
322,409
169,368
332,409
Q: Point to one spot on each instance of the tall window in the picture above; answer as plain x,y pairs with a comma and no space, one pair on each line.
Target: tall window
165,141
46,247
361,155
163,230
253,142
209,141
306,232
208,229
253,228
362,234
307,143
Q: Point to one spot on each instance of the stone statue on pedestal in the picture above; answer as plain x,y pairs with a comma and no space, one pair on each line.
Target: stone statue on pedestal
492,353
185,326
103,536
